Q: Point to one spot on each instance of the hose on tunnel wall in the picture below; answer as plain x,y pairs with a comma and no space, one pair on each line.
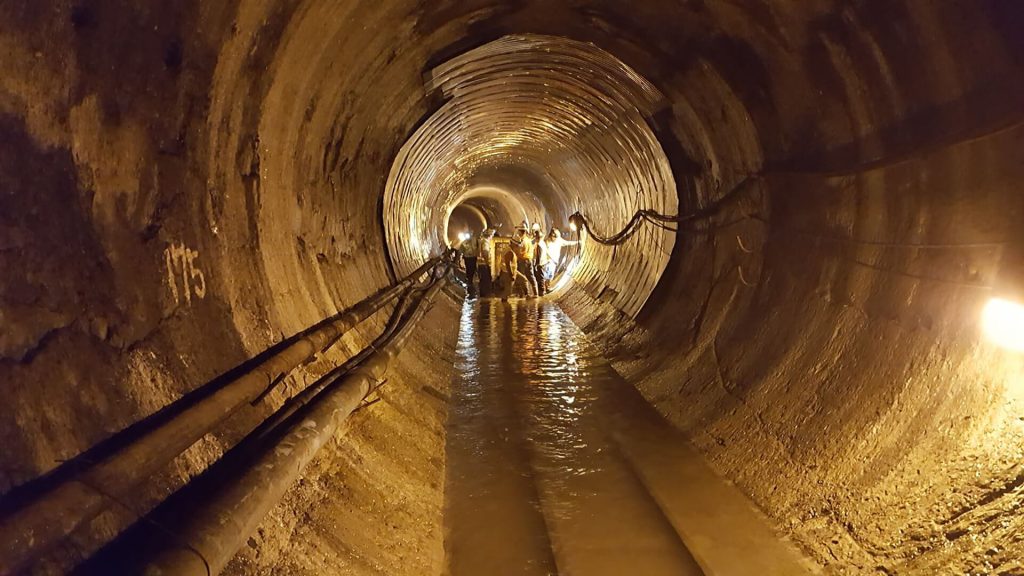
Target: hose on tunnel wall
659,220
409,298
40,522
220,522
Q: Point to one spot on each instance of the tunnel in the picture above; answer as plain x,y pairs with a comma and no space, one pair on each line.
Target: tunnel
801,248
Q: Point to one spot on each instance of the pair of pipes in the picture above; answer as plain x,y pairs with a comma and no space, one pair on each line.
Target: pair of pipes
216,525
47,519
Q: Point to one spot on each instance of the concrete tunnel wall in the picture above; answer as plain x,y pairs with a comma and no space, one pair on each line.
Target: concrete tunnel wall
186,185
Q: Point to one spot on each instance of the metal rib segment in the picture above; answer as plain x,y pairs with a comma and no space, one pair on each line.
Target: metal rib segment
563,109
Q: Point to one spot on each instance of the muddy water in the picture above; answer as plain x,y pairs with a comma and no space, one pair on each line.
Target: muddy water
536,481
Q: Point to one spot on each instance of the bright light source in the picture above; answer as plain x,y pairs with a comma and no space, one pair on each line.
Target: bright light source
536,226
463,236
573,227
1003,322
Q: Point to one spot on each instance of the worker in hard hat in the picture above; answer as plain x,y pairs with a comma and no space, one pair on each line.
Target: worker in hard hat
470,250
523,247
484,260
508,271
537,237
549,255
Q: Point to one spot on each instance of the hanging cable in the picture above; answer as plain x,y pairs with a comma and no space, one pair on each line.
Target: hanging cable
663,221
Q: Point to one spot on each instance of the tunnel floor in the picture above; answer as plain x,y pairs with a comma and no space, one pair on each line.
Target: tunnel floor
557,465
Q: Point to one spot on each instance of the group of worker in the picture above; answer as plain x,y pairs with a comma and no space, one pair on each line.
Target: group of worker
532,259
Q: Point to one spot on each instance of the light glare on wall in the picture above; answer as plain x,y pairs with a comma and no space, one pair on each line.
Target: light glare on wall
1003,322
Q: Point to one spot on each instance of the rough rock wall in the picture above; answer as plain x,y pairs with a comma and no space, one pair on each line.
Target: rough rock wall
153,234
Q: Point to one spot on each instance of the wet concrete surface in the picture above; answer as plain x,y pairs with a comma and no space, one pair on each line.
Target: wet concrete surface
536,484
557,465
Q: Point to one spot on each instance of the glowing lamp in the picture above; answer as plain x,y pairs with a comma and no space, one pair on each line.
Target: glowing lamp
1003,322
575,222
536,227
1003,317
463,236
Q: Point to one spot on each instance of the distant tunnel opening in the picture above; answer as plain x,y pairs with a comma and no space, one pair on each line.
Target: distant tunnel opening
544,127
464,220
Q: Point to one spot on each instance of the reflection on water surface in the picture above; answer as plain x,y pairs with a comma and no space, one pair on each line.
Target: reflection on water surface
536,483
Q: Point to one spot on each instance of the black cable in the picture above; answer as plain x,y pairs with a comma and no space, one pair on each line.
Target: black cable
661,220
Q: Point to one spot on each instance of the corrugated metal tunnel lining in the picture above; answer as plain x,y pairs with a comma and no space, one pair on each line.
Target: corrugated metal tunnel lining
570,113
186,184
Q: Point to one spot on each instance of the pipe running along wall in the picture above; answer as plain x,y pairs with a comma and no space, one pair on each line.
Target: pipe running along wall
42,520
219,524
188,183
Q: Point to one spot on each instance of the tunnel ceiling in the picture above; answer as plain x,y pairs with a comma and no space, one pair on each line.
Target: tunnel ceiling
186,183
566,111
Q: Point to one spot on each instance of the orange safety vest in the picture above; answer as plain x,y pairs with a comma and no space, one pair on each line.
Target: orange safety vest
524,249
